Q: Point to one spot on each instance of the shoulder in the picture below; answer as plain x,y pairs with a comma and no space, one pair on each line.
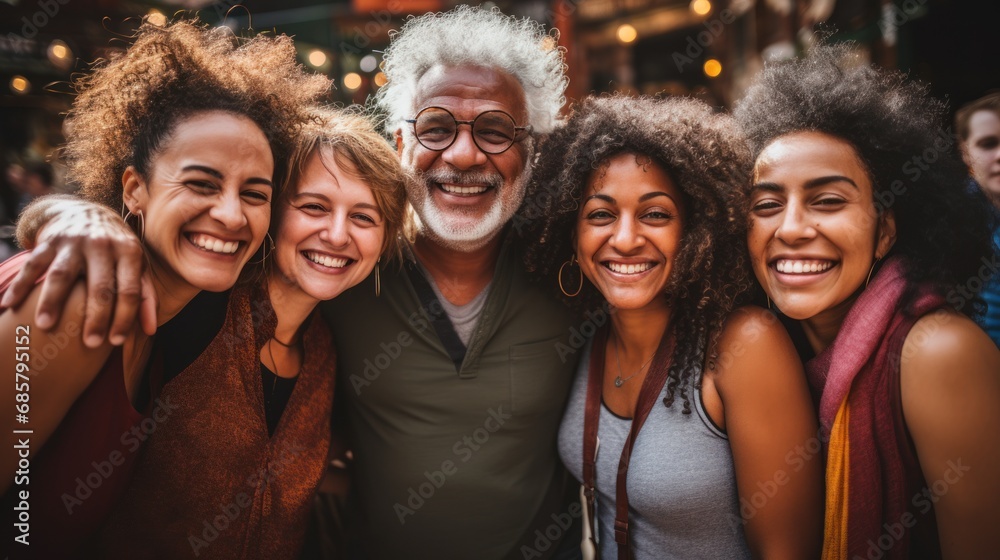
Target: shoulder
70,322
753,346
753,330
945,348
59,350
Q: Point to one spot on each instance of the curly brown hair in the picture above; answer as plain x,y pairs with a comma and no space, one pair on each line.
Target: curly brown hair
706,157
349,136
129,105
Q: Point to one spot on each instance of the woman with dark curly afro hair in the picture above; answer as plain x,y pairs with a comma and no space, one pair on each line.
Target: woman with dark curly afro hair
862,233
185,133
636,213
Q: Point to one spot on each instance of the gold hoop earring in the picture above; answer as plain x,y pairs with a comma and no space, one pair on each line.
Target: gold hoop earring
770,305
267,251
871,270
142,223
378,281
570,262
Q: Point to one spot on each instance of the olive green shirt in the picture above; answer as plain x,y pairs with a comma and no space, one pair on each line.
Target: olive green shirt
453,464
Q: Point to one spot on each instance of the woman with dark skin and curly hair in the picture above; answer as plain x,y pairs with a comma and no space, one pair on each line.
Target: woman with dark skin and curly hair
185,133
862,233
635,206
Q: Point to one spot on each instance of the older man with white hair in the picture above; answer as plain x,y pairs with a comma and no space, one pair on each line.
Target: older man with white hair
450,379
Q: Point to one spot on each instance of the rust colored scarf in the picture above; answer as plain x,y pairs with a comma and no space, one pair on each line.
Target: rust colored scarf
873,478
211,483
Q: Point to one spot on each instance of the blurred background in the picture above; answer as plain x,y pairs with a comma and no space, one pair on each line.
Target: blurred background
710,49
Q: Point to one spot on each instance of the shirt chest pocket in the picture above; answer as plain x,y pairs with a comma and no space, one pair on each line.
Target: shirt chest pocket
540,377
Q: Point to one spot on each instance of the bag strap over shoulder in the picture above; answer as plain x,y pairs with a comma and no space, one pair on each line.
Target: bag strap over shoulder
648,396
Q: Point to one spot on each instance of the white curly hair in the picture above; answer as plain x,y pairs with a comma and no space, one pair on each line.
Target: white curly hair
471,35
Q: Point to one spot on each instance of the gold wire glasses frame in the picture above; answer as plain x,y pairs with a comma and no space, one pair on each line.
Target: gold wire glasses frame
494,132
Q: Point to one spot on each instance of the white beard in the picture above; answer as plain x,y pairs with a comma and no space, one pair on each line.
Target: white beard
455,229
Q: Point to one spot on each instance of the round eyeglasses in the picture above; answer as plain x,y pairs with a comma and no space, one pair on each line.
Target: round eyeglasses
494,132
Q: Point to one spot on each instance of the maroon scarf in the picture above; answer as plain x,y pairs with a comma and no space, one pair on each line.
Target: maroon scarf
872,463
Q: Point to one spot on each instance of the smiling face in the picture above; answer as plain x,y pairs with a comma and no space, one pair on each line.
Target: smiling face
982,152
814,231
462,195
628,231
206,202
330,232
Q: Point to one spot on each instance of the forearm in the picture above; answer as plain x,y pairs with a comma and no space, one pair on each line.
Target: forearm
37,214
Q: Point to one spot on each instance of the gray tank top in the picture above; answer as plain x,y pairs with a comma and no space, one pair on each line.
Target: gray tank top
682,494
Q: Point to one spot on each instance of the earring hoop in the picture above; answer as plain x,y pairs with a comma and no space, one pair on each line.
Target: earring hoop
267,251
770,305
570,262
141,220
871,270
378,281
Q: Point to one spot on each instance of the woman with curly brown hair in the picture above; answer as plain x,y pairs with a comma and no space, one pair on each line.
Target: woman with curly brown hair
186,131
863,235
642,217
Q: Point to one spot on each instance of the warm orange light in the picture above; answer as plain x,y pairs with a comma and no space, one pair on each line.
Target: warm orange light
156,18
60,54
712,68
381,79
59,49
20,85
352,81
317,58
549,43
627,33
701,7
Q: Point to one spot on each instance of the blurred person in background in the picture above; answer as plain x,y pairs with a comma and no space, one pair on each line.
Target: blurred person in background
977,125
31,180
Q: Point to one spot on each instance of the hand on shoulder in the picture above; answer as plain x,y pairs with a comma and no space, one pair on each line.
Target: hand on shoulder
72,238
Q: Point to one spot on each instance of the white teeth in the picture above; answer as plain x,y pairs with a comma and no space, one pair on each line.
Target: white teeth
214,244
455,189
630,268
802,267
327,261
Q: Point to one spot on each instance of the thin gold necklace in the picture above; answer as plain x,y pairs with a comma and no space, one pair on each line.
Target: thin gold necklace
619,380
